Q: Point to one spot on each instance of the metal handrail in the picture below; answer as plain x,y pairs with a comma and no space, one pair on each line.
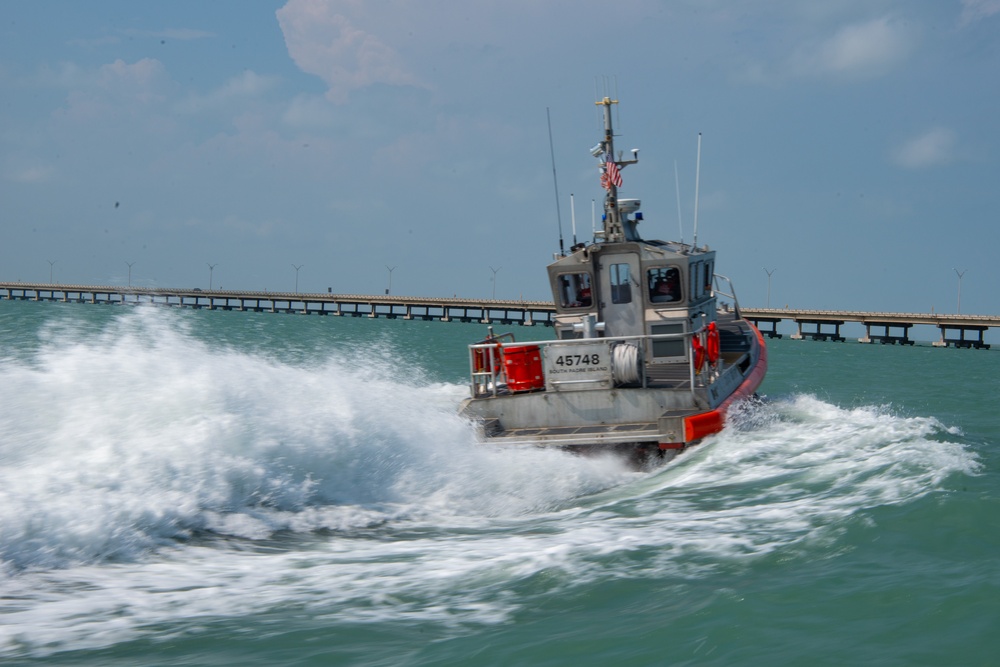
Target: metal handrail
489,378
731,293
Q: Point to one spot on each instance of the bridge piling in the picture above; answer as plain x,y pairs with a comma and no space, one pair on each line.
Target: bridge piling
962,341
818,333
886,337
773,321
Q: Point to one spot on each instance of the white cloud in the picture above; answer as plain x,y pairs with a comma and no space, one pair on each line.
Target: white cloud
245,85
308,111
140,75
860,50
118,75
976,10
34,174
112,89
328,44
933,147
248,83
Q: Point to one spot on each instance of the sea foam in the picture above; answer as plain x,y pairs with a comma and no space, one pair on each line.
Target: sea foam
148,474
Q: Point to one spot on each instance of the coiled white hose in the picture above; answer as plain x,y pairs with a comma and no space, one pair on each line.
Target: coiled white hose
625,364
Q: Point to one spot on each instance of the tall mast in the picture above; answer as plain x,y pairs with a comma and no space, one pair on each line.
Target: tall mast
612,216
613,229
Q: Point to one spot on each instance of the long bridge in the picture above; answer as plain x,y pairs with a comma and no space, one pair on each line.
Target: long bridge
525,313
880,327
885,328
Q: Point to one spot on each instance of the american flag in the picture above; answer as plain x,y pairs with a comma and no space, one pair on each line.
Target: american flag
614,175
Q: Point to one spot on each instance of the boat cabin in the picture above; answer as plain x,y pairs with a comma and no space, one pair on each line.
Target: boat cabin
635,288
643,357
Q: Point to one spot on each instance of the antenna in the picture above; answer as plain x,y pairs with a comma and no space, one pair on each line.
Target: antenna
593,218
597,96
552,151
677,188
618,108
697,177
572,210
608,84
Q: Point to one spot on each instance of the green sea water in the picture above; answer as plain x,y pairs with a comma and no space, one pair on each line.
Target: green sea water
185,487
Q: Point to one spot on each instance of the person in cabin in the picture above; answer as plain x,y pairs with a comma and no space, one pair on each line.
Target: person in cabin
584,298
665,289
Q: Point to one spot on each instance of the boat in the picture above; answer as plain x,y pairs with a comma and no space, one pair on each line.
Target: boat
650,351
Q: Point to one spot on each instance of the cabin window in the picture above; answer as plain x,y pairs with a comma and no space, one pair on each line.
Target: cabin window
695,281
664,284
574,290
708,277
668,347
621,283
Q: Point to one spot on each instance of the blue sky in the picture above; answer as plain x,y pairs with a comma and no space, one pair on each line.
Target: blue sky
851,147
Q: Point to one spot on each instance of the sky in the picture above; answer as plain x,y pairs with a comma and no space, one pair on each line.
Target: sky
851,148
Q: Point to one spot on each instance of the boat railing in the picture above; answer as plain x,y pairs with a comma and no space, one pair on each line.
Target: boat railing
489,374
731,294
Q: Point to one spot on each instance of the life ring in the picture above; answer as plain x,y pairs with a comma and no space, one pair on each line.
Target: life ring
699,352
712,343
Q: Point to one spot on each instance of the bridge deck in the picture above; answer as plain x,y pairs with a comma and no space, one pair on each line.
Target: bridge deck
486,311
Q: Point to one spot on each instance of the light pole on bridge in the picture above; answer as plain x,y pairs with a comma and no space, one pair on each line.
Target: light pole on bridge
960,274
297,276
130,273
495,280
390,269
211,268
51,264
769,285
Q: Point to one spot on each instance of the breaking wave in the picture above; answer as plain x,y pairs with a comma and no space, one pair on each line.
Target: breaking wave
147,473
